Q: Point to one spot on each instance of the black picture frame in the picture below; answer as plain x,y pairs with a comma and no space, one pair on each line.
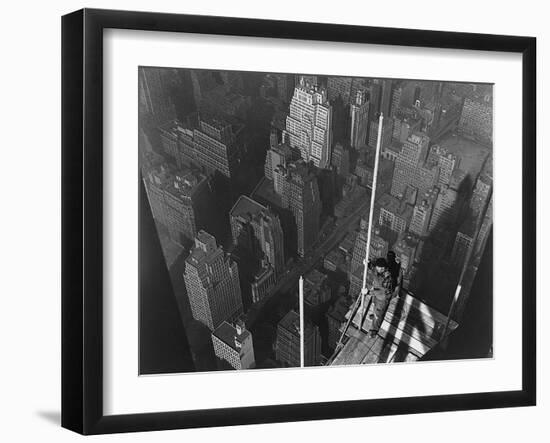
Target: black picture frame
82,215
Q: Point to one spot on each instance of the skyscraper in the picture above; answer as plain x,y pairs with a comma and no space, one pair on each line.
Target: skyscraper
339,86
482,192
153,95
387,131
211,145
446,162
316,288
375,99
386,97
422,213
300,194
409,162
287,342
395,100
257,230
285,86
309,124
279,154
215,146
212,283
234,345
359,116
404,124
341,160
179,199
395,214
306,78
262,283
463,242
477,117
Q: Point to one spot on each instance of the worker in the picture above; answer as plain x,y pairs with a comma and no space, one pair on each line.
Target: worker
381,290
394,266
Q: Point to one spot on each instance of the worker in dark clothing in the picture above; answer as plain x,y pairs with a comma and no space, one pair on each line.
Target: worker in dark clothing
394,266
381,290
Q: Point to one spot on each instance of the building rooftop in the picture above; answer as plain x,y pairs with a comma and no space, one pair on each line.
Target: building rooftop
265,193
285,149
406,241
176,128
335,257
228,334
395,206
429,197
300,171
180,182
315,277
205,245
472,155
291,323
246,207
347,244
395,146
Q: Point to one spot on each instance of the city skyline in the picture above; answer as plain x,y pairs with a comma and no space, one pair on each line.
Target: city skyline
255,179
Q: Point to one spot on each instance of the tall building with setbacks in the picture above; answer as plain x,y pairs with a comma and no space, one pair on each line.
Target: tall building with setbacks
212,283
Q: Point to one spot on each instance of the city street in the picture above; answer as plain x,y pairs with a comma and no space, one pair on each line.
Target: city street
302,267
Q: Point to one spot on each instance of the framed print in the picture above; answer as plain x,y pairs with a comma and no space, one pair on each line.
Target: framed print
273,221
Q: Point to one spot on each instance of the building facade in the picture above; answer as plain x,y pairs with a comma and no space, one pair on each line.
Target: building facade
287,342
179,199
409,162
446,162
359,120
422,213
316,288
234,345
477,117
258,230
154,98
341,160
339,86
387,131
212,283
263,283
211,145
395,214
309,124
300,194
464,241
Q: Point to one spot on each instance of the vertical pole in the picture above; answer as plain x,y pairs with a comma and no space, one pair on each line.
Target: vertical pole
371,213
301,291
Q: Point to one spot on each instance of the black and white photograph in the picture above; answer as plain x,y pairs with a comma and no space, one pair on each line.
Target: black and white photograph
300,220
270,222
